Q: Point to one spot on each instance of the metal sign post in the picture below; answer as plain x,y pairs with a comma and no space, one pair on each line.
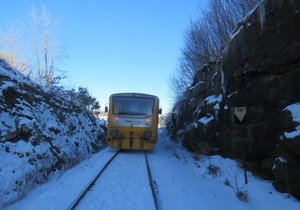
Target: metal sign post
240,114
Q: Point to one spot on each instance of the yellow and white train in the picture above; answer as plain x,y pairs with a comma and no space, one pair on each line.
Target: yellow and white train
132,121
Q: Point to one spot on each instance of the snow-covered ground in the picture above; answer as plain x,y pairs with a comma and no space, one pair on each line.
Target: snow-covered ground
183,181
59,192
124,185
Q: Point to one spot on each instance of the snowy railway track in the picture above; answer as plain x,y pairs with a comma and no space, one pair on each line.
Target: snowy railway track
92,183
152,185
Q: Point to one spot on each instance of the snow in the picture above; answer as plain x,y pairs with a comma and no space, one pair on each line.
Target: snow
194,125
235,92
206,120
213,99
182,181
281,159
38,138
240,24
236,32
293,134
5,70
5,85
123,186
21,146
294,109
216,107
212,79
198,83
60,191
7,124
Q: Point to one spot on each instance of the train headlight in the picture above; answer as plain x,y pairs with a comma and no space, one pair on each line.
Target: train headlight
148,119
114,133
147,134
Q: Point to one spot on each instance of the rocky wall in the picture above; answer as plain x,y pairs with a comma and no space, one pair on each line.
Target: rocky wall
259,70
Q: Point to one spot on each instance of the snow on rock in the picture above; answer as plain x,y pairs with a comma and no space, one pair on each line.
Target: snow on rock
213,99
294,109
281,159
216,100
293,134
235,32
41,132
245,20
194,125
206,120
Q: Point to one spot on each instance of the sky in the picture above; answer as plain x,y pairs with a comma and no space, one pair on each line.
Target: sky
116,45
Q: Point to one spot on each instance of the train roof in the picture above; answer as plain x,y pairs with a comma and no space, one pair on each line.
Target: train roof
134,95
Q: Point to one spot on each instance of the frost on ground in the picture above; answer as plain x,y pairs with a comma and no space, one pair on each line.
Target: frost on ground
183,181
41,133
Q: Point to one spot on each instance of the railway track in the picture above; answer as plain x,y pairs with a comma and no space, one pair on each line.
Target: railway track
151,181
91,183
83,193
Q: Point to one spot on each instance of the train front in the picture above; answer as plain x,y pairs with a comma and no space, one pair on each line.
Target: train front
132,121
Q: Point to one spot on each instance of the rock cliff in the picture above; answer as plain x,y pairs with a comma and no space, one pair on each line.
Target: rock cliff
41,133
259,71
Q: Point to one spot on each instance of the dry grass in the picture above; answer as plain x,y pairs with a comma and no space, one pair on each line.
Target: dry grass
242,195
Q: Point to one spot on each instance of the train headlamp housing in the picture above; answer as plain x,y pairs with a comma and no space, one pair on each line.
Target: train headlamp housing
116,118
114,133
147,134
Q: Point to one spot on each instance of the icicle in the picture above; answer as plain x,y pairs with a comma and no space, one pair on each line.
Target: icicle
223,82
262,15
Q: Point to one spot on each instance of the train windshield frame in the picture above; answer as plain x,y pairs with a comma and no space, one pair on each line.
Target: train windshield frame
129,105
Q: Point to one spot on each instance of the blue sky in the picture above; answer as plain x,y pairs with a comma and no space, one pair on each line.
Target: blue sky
117,45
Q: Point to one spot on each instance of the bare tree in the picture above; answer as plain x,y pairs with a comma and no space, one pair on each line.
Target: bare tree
46,21
205,39
12,50
46,49
36,51
35,48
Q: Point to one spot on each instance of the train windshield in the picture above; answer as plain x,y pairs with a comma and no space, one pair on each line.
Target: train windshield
124,105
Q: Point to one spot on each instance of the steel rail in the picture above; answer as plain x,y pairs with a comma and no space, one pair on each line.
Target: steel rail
90,184
151,182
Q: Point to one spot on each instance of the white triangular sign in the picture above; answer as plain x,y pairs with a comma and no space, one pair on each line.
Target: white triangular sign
240,112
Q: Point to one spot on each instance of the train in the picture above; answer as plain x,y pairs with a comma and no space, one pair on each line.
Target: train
132,121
